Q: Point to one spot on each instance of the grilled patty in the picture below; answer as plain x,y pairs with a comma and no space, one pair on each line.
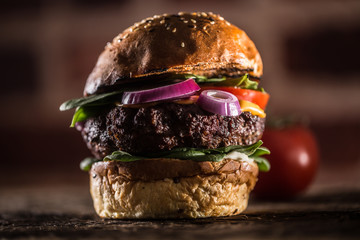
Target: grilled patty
166,126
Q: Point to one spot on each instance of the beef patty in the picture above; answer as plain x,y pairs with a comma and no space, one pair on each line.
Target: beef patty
166,126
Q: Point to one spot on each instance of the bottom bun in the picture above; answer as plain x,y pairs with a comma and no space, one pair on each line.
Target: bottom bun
216,189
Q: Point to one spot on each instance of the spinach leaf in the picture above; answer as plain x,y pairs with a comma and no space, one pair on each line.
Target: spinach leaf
254,151
94,100
263,164
178,153
248,150
208,157
83,113
198,154
260,151
122,156
86,164
184,154
243,82
203,79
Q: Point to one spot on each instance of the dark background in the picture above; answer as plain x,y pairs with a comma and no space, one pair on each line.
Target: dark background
310,51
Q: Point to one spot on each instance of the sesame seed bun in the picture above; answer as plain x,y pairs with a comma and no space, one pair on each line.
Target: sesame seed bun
195,43
150,189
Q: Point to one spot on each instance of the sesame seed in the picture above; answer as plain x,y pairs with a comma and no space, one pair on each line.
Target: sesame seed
193,20
182,19
131,29
212,22
181,13
168,28
182,44
156,16
203,14
174,30
119,40
221,18
186,21
204,27
227,23
162,21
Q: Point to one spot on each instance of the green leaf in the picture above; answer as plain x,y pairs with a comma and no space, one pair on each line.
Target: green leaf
93,100
260,151
192,152
184,154
263,164
243,81
122,156
83,113
254,151
203,79
248,150
208,157
86,164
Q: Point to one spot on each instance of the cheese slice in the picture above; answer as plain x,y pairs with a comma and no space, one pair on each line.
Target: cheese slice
253,108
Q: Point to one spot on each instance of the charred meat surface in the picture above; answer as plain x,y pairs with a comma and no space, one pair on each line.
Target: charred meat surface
167,126
97,138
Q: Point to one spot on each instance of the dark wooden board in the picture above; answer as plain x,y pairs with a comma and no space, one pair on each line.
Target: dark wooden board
66,213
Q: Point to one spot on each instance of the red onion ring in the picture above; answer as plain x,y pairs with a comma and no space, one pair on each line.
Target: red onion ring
177,90
219,102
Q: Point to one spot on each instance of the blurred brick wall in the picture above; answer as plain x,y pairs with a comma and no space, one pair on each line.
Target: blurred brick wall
310,51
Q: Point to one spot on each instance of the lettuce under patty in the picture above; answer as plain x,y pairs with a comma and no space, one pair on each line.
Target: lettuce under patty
254,151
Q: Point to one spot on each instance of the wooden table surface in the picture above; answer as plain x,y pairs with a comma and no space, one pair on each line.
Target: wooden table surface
64,211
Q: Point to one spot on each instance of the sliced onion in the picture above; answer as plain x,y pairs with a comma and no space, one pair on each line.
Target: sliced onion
178,90
219,102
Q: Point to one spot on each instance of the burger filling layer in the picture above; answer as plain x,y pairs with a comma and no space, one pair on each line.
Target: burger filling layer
167,126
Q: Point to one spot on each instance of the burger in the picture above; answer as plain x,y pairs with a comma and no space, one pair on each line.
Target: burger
173,115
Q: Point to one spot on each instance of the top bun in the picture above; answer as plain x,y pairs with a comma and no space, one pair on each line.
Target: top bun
197,43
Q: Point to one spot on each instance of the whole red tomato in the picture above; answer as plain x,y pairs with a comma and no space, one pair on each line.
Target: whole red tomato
294,161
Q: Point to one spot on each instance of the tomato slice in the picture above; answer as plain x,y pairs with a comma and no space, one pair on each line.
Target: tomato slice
257,97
